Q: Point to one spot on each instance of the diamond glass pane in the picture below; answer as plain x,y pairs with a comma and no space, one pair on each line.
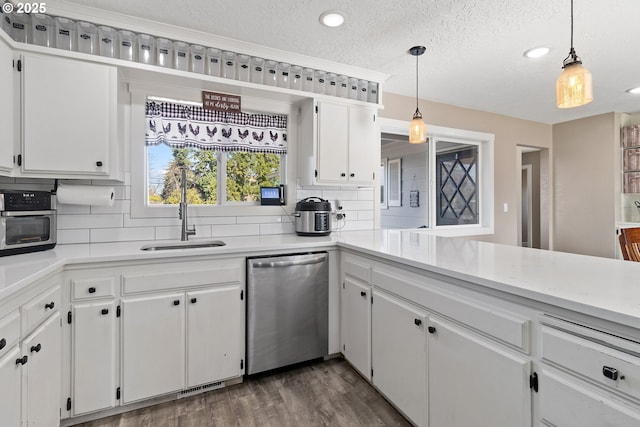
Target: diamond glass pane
457,187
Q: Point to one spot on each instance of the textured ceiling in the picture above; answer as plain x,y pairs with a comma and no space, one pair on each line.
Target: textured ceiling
474,48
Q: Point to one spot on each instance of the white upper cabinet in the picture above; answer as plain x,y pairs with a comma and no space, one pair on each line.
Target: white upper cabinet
69,118
364,145
332,161
339,143
6,108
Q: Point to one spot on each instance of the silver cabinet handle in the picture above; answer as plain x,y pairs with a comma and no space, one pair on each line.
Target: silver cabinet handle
27,213
270,264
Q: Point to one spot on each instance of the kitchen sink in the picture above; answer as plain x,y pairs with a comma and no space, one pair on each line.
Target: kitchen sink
183,245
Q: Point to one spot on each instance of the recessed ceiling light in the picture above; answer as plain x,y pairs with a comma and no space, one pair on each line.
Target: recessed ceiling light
634,91
536,52
332,18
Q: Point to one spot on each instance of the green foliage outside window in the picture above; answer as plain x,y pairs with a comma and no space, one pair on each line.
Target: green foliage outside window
244,172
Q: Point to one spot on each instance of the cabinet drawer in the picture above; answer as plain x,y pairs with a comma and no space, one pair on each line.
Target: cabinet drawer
182,275
93,288
357,268
40,308
567,403
9,331
593,360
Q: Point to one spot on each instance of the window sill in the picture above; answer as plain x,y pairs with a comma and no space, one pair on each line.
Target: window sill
198,211
461,231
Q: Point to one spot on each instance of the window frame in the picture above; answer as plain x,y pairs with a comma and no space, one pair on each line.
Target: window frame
435,192
485,143
135,112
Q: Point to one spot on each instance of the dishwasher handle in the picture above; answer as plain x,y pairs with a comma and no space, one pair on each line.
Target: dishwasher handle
305,261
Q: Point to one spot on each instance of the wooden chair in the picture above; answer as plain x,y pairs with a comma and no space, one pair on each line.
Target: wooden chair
629,239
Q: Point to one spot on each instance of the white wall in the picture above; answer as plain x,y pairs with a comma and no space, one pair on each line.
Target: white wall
585,200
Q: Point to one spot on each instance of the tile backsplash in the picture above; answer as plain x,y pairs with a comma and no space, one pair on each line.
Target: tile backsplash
93,224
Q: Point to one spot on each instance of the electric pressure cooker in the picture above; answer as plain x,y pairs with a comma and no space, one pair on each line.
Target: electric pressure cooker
313,217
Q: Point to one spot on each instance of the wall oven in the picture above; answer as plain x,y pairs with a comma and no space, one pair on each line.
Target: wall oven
27,221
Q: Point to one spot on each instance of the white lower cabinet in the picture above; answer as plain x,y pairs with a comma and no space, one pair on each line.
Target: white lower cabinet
180,340
356,325
93,355
399,354
153,345
10,378
41,378
214,331
139,331
473,382
436,351
31,358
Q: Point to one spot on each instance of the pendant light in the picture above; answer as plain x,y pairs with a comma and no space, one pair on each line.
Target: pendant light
574,86
417,128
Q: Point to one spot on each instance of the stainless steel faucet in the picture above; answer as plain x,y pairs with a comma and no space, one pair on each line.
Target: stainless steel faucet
182,209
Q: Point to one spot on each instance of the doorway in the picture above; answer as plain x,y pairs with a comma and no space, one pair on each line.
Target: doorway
533,197
526,211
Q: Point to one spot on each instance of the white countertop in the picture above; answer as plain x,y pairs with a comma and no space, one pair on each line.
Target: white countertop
602,287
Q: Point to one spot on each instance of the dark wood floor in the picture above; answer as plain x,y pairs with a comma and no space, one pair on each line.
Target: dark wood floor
317,394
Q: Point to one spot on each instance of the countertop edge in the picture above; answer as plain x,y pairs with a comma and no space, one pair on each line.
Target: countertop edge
40,266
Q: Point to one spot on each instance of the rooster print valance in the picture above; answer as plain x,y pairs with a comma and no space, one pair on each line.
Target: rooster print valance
180,126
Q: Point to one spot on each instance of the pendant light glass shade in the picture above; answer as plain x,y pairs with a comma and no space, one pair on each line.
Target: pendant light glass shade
574,87
417,128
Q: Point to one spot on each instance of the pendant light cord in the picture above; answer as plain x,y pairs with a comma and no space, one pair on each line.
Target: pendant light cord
571,24
417,82
573,57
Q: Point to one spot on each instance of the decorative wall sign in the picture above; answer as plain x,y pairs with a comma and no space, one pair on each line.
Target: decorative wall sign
214,101
414,198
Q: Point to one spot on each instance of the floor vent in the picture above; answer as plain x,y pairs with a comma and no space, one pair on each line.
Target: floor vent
200,389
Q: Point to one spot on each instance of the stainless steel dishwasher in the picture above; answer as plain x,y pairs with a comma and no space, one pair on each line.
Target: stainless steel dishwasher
287,310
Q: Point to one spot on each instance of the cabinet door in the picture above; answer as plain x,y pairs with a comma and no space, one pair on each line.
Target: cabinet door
68,116
93,357
153,346
363,144
215,331
6,108
356,325
565,402
473,382
399,355
41,373
11,390
333,141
